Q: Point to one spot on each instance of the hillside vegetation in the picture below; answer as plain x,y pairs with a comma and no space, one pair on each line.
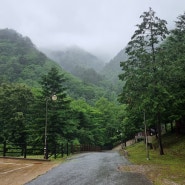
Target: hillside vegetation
82,114
85,66
22,62
162,170
154,77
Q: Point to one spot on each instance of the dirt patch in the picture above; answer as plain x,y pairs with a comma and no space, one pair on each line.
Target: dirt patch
121,146
18,171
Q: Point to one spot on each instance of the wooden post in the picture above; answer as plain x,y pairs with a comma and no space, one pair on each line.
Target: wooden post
4,148
67,149
25,150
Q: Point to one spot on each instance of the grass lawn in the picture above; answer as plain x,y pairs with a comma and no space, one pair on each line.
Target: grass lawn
160,169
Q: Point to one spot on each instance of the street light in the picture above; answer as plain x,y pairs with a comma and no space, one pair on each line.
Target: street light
54,98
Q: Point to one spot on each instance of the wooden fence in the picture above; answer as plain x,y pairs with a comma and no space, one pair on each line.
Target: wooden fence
26,151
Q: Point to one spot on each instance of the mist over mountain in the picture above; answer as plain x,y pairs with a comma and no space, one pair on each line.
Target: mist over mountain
88,67
22,62
112,69
74,57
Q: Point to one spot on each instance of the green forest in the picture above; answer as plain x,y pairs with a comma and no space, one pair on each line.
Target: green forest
92,107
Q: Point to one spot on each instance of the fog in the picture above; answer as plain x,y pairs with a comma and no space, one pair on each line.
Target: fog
102,27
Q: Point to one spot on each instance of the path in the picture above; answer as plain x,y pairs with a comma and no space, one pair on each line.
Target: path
92,169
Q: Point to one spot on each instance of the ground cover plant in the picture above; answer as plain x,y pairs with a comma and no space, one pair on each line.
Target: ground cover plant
160,169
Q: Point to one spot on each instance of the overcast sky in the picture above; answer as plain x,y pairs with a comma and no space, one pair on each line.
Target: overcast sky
102,27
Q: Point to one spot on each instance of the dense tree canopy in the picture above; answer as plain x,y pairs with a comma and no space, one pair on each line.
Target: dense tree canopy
143,70
153,74
15,101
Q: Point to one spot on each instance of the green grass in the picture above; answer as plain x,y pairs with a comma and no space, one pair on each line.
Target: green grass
166,168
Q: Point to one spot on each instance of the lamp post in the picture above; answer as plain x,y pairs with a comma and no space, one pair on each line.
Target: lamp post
54,98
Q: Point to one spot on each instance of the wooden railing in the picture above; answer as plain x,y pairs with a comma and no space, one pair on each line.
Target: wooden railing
26,150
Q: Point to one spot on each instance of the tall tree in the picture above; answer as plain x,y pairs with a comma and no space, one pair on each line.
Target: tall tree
15,103
89,120
143,88
110,113
174,51
56,112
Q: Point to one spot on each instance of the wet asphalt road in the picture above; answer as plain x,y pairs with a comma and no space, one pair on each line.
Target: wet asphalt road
91,169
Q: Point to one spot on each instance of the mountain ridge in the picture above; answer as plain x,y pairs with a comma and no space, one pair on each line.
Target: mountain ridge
22,62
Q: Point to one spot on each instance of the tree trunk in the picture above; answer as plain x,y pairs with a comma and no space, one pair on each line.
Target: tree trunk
159,133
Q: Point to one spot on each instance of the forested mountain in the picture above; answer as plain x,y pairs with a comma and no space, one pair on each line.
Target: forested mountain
79,63
83,112
75,57
112,69
22,62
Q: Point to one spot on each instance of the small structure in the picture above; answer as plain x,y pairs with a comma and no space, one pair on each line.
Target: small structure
139,136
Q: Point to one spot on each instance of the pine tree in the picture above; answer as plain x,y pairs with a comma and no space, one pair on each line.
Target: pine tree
143,89
174,52
57,111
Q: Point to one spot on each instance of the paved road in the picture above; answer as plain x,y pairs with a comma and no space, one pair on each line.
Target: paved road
91,169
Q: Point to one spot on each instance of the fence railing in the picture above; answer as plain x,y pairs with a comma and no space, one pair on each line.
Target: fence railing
22,150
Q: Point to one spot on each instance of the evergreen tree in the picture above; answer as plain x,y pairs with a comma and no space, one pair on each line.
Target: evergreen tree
143,89
174,51
57,112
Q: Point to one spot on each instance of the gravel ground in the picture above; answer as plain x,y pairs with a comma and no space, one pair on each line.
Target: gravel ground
101,168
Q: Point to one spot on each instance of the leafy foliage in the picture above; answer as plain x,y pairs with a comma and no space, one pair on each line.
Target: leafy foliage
20,61
174,51
15,101
153,74
143,70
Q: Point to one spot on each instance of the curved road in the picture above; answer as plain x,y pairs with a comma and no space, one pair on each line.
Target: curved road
91,169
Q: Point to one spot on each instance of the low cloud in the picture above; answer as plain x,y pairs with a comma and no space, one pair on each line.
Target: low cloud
98,26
